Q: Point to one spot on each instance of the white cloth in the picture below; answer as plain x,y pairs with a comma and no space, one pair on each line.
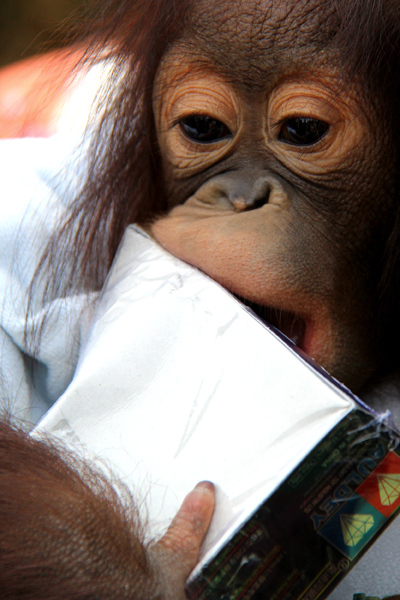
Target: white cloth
36,177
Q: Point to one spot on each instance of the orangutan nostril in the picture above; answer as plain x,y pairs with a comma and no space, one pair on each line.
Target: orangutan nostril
241,204
259,202
260,193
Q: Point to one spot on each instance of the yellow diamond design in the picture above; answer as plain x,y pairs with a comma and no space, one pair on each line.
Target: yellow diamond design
389,488
354,527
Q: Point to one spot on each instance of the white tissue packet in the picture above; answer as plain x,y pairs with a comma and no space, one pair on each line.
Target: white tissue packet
179,382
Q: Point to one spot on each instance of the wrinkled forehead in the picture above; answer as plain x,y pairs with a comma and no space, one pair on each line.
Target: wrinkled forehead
251,39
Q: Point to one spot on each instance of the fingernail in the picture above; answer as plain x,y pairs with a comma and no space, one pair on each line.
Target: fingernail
205,485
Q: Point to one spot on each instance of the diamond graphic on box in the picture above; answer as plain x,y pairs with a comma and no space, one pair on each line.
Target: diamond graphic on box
354,527
389,488
382,488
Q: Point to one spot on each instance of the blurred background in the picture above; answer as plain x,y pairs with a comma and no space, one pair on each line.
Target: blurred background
31,26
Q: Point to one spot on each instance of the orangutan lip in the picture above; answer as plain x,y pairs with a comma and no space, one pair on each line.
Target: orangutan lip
291,325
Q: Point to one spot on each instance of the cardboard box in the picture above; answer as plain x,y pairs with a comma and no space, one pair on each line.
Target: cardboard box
179,382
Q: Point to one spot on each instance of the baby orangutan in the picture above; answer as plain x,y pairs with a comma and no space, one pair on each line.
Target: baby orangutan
258,140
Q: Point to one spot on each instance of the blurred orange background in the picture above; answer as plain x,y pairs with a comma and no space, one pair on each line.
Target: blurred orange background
32,90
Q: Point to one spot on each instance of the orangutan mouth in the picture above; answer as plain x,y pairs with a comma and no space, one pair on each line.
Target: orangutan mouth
291,325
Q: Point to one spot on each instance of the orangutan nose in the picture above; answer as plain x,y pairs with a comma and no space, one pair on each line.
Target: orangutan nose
244,189
251,196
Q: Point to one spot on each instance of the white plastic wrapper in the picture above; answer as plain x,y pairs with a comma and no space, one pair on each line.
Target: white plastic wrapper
179,382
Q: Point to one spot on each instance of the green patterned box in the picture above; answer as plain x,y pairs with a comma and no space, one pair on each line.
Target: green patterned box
304,538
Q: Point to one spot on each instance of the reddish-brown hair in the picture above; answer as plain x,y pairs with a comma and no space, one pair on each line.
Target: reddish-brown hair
65,532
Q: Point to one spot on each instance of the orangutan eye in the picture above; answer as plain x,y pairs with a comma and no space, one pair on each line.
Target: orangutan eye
204,129
303,131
